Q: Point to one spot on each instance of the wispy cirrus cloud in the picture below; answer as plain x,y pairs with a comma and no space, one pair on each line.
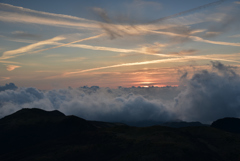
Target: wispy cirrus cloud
12,13
227,58
115,28
32,49
196,38
29,48
24,15
8,62
152,49
12,67
178,59
189,11
144,49
224,22
125,65
199,39
67,44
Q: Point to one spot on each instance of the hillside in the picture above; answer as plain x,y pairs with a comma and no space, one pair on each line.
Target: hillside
37,135
228,124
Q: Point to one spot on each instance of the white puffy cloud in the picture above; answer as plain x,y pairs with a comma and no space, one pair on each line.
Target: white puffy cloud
94,103
210,95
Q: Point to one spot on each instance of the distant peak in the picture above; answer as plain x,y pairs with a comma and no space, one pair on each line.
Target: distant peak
36,112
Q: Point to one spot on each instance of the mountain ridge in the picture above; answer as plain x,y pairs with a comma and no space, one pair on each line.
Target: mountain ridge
71,138
229,124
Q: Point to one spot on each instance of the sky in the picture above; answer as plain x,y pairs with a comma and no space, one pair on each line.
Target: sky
56,44
128,60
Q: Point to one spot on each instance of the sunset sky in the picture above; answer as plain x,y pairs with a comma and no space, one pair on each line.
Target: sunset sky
60,43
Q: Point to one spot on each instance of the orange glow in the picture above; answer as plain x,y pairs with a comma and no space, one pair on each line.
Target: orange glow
147,82
154,85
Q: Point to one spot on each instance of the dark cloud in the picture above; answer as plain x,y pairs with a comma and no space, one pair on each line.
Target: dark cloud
103,14
205,96
10,86
228,71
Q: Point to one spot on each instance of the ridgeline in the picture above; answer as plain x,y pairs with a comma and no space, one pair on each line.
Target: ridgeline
38,135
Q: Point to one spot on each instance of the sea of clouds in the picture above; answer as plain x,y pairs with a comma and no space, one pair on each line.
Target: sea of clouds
205,96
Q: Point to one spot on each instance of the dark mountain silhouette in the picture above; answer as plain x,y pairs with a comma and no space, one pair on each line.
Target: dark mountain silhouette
37,118
228,124
29,127
174,123
37,135
144,123
180,124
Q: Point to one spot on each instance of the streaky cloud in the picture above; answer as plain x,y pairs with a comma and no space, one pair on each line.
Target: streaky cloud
62,45
8,62
25,15
128,64
176,59
8,6
189,11
115,30
29,48
195,38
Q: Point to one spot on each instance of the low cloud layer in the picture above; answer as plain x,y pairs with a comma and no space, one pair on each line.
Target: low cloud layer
205,96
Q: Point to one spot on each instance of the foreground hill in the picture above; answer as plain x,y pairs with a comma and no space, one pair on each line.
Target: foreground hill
228,124
37,135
